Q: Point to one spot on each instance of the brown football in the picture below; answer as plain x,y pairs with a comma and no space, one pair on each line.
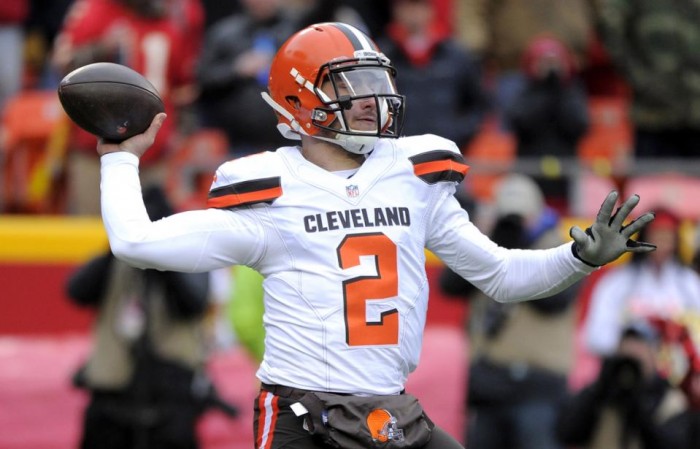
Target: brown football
109,100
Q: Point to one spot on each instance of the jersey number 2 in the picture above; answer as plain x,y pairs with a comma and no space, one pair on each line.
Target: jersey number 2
359,290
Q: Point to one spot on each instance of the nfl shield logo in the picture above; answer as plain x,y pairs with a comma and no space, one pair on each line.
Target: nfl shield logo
352,190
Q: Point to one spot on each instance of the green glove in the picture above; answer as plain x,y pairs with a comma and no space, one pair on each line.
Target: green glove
607,239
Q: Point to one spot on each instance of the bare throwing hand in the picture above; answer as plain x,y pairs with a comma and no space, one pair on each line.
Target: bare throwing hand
136,145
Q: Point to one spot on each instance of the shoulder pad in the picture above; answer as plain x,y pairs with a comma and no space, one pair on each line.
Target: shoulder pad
434,158
246,181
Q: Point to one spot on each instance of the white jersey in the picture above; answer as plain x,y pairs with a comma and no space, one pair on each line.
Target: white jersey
346,292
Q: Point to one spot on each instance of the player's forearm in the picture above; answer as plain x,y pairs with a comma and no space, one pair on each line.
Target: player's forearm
502,274
130,230
193,241
123,211
518,275
533,274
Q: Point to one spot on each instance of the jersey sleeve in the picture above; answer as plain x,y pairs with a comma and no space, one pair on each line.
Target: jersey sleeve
502,274
506,275
435,159
192,241
248,181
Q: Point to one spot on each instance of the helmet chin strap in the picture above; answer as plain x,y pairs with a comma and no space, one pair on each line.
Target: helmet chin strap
353,144
358,143
292,131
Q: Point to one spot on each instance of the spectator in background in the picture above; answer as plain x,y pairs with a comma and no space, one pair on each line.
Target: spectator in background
653,43
442,79
143,35
500,31
599,75
684,427
146,374
189,18
629,403
521,353
658,285
308,12
549,115
234,69
42,26
695,258
375,13
215,10
12,16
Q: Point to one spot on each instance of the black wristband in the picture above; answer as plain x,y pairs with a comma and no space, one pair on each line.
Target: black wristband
574,251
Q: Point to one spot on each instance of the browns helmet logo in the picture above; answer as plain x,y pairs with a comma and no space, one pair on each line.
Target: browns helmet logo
382,426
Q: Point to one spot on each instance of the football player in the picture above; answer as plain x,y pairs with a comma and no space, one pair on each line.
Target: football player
338,226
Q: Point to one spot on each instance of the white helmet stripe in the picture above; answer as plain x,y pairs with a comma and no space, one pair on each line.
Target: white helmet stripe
359,40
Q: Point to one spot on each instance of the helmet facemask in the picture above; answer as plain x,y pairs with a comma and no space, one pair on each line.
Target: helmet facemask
353,80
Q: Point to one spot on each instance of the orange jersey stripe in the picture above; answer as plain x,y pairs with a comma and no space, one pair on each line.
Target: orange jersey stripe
238,199
425,168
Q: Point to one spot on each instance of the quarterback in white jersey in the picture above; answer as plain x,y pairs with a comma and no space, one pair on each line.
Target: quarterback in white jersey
338,227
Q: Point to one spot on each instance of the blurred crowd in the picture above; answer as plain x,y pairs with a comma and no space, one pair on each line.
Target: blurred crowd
551,102
582,96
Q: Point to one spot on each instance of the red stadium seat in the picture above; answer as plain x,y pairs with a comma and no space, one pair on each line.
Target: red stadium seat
675,191
491,148
34,139
608,143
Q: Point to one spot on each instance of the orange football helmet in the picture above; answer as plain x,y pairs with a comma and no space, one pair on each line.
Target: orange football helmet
355,67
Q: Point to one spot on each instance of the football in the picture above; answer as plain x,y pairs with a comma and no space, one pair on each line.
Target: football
109,100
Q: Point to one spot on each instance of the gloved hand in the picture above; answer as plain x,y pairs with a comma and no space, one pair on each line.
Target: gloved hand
607,239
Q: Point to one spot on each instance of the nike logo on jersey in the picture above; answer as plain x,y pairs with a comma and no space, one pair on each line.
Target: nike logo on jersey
357,218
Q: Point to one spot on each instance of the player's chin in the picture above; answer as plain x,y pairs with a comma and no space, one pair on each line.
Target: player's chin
365,126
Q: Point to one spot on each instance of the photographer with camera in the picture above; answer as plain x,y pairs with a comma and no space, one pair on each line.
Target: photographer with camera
146,374
629,402
520,354
683,429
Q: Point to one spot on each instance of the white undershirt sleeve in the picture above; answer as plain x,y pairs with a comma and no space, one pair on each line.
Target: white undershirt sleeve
191,241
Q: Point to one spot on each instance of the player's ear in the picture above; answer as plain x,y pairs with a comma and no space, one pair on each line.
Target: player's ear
293,101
